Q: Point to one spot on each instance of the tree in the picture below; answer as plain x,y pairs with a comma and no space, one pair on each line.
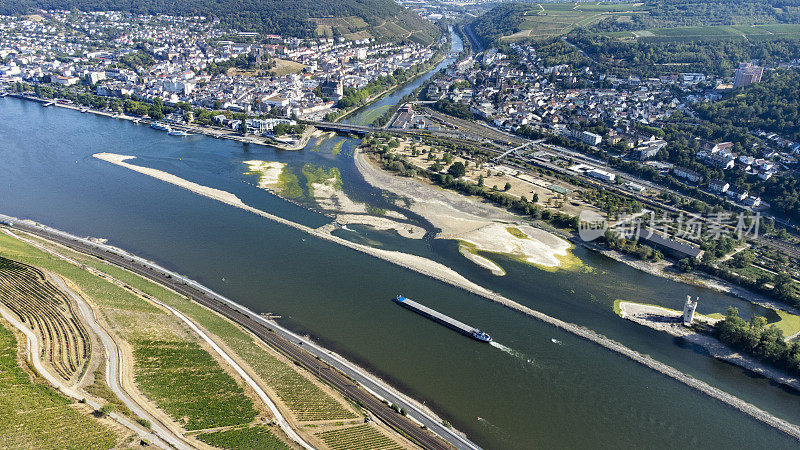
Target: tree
480,180
507,187
535,198
784,286
457,169
105,410
243,127
685,265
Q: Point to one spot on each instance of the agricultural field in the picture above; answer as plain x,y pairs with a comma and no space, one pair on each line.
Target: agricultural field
186,382
31,412
170,367
66,346
714,33
390,29
342,26
259,437
286,67
361,437
306,400
546,20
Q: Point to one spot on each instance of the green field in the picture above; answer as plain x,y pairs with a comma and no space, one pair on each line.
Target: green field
35,415
361,437
186,382
714,33
554,19
306,400
258,437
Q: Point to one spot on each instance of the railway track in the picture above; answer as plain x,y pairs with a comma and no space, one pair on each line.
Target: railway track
341,382
784,247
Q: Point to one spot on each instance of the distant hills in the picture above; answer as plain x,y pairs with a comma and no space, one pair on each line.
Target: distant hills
381,19
661,20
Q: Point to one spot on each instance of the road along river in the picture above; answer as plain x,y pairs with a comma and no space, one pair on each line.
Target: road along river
542,386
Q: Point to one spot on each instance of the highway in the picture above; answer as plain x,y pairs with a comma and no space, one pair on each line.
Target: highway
334,370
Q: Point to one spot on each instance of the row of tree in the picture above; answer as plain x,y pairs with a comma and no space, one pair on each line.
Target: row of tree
756,338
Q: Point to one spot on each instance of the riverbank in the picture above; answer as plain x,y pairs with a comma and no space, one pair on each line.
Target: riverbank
431,63
661,269
214,132
482,226
443,273
305,352
669,321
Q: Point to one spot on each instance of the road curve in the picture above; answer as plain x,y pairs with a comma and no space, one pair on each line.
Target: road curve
113,372
342,375
114,362
33,351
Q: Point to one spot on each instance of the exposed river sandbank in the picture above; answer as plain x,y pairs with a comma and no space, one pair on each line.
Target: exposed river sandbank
482,226
443,273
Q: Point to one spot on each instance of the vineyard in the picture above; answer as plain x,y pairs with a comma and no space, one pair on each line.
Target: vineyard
362,437
66,345
259,437
307,401
186,382
34,413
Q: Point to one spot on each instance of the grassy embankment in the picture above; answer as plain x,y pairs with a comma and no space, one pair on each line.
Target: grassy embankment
34,414
188,384
295,391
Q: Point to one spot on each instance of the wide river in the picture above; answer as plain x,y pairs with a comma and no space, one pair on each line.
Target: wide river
539,387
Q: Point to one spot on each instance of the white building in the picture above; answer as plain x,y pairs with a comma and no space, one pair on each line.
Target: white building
602,175
590,138
688,310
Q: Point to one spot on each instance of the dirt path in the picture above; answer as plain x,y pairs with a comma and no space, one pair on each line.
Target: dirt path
115,364
33,357
284,424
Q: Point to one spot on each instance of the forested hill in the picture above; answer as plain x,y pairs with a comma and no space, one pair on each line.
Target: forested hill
382,19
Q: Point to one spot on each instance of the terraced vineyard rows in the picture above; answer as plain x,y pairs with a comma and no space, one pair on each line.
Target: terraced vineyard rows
361,437
34,415
66,345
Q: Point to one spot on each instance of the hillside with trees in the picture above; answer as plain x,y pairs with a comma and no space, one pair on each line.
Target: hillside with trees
693,13
646,58
508,19
771,105
283,17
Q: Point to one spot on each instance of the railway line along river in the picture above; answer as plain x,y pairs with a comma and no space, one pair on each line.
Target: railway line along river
540,386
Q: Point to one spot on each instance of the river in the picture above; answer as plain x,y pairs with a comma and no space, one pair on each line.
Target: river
538,387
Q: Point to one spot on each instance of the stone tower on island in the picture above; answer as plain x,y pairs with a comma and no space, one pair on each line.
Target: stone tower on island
688,310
